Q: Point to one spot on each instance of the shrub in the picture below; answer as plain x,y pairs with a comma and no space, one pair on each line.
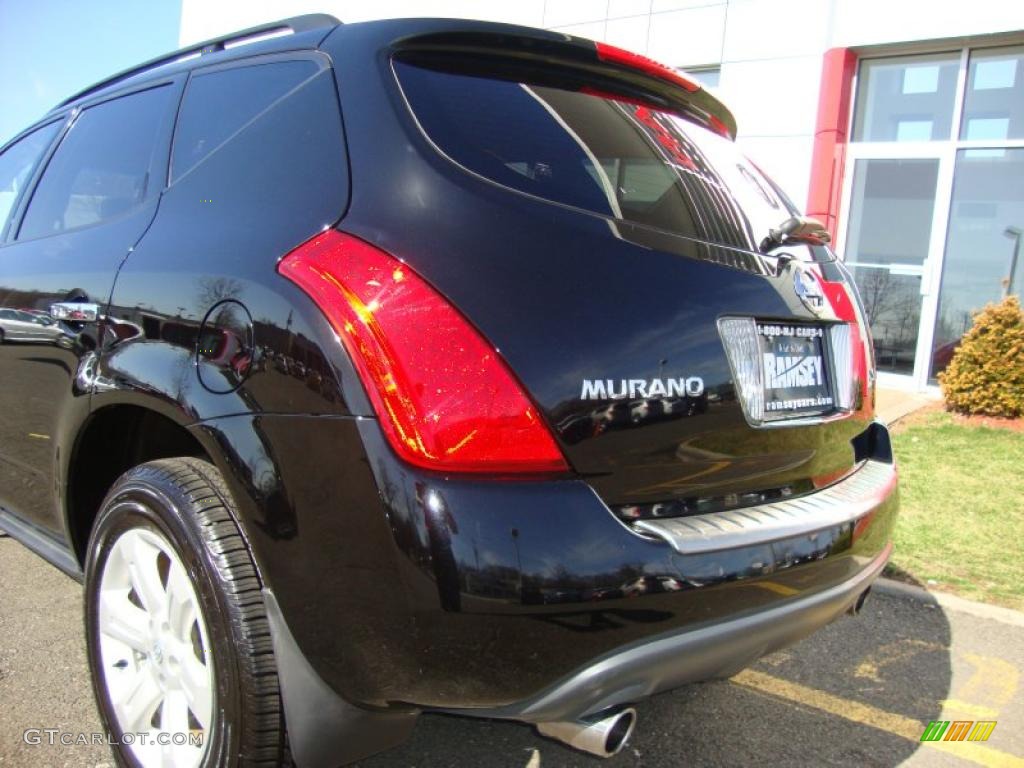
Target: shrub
986,374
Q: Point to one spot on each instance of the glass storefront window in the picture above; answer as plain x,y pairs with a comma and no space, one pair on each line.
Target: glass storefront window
891,216
891,211
934,198
906,98
994,103
983,248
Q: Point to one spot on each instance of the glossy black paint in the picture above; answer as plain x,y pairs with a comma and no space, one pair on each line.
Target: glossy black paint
45,398
399,586
242,217
456,595
566,295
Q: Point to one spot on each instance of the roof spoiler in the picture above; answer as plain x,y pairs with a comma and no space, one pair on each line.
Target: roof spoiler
294,25
608,68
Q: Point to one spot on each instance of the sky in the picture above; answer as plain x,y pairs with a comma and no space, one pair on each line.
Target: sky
50,49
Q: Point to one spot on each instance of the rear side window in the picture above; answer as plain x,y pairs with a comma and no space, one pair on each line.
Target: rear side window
219,104
581,148
101,168
16,166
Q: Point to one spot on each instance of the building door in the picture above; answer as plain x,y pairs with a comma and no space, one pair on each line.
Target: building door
892,220
934,199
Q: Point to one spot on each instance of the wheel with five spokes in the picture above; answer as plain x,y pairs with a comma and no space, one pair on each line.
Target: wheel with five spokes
179,646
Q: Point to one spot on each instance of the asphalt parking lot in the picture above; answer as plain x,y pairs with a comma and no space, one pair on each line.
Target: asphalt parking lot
858,693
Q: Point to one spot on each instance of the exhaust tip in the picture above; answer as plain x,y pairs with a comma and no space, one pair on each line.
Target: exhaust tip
858,605
620,731
603,737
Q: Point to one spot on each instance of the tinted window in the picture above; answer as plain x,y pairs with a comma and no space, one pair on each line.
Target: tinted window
102,166
16,166
219,104
622,160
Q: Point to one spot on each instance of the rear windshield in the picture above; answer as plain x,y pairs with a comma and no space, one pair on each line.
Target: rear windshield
589,150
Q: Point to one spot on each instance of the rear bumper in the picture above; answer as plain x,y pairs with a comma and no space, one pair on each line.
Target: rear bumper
393,591
406,589
690,655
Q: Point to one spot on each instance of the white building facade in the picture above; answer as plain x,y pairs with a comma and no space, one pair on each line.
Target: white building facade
899,123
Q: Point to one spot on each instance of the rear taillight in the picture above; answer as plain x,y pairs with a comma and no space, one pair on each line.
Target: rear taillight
844,356
613,55
842,296
739,334
445,399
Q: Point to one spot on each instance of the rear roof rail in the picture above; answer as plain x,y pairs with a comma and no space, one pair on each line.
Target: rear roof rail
294,25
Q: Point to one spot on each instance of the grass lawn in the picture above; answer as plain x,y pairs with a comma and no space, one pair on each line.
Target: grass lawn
961,525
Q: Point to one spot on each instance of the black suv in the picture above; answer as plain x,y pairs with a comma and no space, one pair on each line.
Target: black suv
423,365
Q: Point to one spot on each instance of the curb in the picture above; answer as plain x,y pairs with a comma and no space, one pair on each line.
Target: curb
950,602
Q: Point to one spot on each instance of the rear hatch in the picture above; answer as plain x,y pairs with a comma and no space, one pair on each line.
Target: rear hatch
600,227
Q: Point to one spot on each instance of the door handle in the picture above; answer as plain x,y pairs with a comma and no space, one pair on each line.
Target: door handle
75,312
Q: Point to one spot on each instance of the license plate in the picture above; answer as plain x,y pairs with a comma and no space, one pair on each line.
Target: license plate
795,370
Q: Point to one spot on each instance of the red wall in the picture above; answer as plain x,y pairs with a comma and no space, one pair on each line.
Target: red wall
834,102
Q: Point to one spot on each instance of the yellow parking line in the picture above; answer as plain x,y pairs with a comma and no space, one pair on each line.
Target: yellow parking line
891,653
993,680
863,714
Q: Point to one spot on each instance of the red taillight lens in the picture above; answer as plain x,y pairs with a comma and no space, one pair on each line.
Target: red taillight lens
445,399
614,55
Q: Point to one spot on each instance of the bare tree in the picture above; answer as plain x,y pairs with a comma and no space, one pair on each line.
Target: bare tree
878,291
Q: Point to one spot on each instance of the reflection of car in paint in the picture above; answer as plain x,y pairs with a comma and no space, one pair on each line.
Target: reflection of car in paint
28,326
628,414
604,593
642,411
224,347
558,596
613,416
651,585
432,231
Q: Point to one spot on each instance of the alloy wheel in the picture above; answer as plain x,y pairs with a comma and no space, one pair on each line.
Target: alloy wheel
157,663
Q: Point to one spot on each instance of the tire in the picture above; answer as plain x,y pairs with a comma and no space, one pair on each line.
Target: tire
176,628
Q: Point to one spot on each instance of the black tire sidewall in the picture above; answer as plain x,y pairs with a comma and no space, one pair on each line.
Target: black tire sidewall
138,502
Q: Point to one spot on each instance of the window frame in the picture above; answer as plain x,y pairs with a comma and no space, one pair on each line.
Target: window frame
159,160
956,54
943,150
8,228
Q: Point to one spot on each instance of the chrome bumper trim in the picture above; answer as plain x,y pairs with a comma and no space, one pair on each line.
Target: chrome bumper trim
843,502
